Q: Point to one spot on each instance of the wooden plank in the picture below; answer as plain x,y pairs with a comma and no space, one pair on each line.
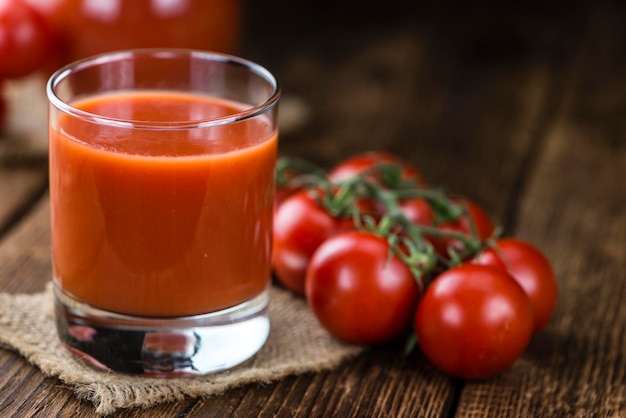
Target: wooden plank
573,208
20,186
377,384
25,265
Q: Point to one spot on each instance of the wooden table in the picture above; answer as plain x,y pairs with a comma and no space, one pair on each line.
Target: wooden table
521,107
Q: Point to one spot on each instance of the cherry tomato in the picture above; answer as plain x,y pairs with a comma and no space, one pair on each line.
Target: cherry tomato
474,321
482,222
25,39
358,163
359,293
533,272
283,193
418,211
300,225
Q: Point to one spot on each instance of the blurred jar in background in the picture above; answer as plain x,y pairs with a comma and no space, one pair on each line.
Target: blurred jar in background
88,27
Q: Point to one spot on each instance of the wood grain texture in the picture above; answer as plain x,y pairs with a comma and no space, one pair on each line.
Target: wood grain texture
20,187
518,106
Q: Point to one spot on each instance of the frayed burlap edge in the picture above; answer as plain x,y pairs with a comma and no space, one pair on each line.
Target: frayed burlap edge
297,344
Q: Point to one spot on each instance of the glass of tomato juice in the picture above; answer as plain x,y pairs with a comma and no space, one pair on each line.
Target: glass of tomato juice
162,172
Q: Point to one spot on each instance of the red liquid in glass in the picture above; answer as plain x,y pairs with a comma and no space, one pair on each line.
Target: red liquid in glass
161,222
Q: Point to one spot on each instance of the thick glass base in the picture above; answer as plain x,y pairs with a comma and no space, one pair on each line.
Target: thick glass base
181,346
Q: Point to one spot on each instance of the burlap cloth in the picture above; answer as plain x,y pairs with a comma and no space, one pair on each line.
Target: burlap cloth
297,344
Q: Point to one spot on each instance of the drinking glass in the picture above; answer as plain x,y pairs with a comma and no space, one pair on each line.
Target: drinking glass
162,177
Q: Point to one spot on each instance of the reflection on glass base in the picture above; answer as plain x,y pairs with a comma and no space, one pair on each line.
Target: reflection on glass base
162,347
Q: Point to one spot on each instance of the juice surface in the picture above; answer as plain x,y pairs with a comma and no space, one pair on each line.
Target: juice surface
161,222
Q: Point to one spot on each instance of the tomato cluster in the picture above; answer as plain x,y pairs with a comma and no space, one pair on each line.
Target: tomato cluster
378,254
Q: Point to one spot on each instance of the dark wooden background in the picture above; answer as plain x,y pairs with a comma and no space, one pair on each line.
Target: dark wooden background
520,106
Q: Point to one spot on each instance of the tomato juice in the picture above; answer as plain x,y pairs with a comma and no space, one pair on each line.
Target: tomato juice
154,220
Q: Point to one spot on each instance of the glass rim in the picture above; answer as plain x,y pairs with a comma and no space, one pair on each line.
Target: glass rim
61,74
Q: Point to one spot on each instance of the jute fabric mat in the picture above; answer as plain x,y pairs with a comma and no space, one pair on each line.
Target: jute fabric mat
297,344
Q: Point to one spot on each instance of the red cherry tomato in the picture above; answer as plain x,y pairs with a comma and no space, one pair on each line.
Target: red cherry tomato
482,222
25,39
358,163
474,321
359,293
417,211
281,194
533,272
300,225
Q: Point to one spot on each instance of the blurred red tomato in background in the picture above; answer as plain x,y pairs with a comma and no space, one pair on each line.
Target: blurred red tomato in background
89,27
